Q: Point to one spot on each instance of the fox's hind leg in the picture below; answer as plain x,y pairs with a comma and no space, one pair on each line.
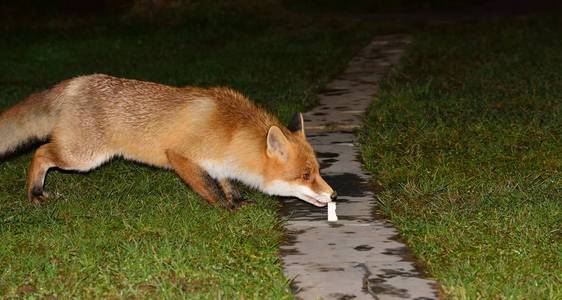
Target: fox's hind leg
67,158
42,161
197,178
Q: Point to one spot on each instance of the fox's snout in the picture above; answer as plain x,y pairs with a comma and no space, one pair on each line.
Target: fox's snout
323,192
322,199
304,192
315,191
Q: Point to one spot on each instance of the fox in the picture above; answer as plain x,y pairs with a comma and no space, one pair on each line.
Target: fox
210,137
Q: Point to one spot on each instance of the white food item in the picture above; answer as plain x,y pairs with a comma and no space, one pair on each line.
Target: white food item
332,217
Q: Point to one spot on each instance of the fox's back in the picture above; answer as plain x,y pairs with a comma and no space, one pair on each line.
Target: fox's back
134,116
123,102
140,103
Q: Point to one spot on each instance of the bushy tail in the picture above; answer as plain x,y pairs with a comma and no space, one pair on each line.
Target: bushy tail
30,119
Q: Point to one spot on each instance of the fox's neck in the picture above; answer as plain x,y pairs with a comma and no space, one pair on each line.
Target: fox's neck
234,168
243,159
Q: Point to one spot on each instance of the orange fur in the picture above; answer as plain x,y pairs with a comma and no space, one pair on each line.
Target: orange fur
198,132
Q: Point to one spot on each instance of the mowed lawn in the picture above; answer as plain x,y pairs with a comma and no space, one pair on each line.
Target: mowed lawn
465,138
127,230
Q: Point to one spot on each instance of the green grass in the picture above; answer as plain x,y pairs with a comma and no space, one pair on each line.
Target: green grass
466,139
127,230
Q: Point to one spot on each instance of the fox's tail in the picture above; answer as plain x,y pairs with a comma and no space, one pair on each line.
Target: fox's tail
31,119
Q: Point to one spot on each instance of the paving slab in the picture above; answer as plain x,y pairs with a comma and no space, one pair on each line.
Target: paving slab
360,256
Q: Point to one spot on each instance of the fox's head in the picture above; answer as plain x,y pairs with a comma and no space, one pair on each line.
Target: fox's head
292,169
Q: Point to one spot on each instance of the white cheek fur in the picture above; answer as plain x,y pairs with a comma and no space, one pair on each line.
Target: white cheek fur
281,188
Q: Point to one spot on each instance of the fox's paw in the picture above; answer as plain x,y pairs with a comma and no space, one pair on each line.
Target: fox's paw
234,206
229,205
243,202
236,195
38,196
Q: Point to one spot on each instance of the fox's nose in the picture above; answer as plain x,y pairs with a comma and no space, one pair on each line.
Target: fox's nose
334,196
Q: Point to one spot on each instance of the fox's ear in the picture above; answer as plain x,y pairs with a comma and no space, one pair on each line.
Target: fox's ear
297,124
277,144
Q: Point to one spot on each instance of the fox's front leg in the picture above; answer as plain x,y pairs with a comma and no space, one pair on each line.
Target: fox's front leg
232,194
198,179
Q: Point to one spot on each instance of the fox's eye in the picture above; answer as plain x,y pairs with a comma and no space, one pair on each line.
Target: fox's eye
306,176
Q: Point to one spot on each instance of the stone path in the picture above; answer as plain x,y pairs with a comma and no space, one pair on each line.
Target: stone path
360,256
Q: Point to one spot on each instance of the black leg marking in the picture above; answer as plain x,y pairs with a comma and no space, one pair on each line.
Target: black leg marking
215,188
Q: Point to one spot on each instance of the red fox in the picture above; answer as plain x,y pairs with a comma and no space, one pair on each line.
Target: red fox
209,137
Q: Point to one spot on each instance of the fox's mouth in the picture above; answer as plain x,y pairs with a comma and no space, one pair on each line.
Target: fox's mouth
286,189
313,201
